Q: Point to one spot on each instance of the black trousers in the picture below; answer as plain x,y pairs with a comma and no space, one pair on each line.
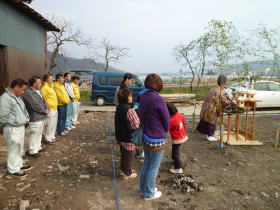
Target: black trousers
176,156
127,158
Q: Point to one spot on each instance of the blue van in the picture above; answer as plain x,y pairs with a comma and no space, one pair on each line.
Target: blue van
105,84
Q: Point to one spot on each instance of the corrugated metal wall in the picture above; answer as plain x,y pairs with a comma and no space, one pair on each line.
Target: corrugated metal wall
19,31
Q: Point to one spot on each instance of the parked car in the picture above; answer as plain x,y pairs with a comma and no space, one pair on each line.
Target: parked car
266,91
104,86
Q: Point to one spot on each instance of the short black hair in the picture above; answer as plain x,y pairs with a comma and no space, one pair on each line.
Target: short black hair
172,108
127,76
222,79
66,74
18,82
46,77
57,76
32,80
75,77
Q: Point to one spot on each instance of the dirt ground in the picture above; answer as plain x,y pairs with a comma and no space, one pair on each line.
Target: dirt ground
238,177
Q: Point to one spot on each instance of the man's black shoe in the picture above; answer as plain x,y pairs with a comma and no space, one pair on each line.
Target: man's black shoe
25,168
36,155
42,150
47,142
19,174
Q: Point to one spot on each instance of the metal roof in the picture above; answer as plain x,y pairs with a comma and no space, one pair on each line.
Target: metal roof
22,7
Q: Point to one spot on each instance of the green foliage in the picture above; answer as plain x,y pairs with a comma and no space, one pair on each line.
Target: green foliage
213,51
85,95
226,44
268,44
199,95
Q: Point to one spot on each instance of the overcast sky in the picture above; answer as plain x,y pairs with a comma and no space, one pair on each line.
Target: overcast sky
151,28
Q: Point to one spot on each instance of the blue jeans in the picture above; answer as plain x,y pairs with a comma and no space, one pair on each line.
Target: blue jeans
68,123
149,172
61,109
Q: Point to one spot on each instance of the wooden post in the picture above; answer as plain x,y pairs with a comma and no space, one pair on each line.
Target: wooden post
254,120
246,123
277,138
221,121
237,126
229,126
222,130
193,122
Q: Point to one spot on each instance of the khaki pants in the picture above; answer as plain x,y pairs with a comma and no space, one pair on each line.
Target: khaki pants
35,136
14,137
50,124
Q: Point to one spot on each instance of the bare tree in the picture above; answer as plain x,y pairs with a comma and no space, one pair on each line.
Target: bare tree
194,56
213,51
106,53
68,33
268,45
226,44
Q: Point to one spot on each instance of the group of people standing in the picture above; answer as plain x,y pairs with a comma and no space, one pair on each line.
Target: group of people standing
157,119
53,108
45,108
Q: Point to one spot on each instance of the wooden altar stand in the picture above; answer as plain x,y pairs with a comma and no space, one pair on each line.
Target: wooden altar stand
241,136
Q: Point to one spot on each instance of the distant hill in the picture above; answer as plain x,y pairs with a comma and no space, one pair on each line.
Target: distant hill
256,65
65,64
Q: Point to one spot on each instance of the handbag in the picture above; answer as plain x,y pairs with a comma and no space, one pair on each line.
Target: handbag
137,135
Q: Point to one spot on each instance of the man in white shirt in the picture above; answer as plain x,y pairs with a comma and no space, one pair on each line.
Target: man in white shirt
69,110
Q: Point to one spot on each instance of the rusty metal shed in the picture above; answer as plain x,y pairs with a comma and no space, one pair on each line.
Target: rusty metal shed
23,42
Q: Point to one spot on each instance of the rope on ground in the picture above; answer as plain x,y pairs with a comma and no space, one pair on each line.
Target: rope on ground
116,188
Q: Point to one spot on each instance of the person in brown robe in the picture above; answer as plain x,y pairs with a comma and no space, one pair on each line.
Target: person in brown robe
211,108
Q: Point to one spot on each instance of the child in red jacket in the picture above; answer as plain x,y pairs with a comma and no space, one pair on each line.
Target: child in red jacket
178,134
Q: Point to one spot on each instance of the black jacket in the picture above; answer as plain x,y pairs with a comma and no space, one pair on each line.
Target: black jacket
123,129
123,85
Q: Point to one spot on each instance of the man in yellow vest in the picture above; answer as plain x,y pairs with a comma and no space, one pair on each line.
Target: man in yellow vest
63,99
76,103
50,97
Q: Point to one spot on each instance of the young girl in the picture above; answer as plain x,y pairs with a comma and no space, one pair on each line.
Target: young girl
178,134
126,121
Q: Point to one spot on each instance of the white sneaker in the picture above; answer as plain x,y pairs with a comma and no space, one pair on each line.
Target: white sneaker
67,129
176,171
63,134
211,138
122,173
76,123
156,189
131,176
73,127
156,195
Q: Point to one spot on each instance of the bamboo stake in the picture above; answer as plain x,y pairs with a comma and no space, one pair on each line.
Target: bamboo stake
193,122
277,139
221,121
